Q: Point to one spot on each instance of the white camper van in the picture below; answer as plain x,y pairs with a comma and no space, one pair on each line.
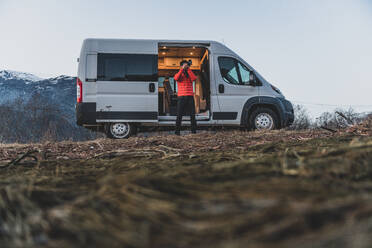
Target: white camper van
124,85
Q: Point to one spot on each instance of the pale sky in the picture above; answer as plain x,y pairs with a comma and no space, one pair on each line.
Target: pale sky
315,51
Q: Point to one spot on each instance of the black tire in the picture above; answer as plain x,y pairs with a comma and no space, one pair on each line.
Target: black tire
120,130
266,115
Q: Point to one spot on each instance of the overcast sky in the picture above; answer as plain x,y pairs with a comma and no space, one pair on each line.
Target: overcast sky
315,51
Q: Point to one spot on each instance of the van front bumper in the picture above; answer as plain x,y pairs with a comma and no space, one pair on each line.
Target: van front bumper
288,112
289,119
86,113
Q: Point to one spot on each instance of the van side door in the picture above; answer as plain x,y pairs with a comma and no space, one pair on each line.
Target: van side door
233,88
127,87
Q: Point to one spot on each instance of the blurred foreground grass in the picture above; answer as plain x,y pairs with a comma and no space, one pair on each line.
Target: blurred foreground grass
314,192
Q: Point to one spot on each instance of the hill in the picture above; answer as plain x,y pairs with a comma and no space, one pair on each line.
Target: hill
33,109
225,189
60,90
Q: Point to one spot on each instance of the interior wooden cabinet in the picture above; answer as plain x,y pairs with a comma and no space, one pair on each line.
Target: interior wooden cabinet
169,59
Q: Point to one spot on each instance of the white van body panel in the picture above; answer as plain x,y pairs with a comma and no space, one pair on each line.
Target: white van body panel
234,96
113,96
120,46
91,72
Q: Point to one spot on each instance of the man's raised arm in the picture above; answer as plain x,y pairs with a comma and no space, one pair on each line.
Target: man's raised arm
178,75
192,75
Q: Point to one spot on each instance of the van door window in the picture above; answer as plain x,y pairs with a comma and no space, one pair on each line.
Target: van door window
127,67
229,70
244,73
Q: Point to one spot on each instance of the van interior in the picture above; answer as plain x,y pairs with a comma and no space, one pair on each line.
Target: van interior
169,65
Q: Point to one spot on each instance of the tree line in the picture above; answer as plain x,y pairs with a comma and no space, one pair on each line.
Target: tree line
38,120
340,118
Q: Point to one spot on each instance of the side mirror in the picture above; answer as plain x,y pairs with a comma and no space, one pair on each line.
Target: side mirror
252,79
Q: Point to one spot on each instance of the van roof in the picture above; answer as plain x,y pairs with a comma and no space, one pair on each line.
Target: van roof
146,45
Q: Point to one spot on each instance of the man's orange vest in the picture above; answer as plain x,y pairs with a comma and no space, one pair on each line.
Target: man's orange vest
185,87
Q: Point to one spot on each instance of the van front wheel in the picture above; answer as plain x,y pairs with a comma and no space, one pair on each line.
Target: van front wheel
263,119
120,130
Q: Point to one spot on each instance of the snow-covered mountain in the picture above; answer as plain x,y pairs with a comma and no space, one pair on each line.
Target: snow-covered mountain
58,90
15,75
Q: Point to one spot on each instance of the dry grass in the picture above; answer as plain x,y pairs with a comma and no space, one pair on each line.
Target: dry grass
203,142
229,189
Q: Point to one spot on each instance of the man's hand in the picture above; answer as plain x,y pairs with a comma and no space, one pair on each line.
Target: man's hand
185,68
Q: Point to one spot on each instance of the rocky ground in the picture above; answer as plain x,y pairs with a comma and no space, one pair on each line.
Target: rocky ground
223,189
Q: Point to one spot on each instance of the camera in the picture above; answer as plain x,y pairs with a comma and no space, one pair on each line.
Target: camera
189,62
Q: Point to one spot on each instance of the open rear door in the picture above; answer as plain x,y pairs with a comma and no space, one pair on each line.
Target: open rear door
127,85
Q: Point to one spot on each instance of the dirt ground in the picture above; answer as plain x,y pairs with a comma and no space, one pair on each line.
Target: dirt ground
223,189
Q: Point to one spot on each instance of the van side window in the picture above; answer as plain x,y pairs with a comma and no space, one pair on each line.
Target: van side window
229,70
244,73
127,67
233,71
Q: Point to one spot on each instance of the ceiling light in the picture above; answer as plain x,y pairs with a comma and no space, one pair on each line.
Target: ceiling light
163,53
191,53
164,47
193,47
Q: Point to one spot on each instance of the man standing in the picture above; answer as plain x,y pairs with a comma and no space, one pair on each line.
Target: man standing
185,100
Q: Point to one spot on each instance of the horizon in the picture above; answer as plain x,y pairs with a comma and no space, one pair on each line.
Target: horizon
317,53
310,111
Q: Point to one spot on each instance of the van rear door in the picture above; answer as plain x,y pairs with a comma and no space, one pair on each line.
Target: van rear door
127,87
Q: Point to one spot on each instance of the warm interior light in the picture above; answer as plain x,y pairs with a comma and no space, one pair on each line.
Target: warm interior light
163,53
193,47
191,53
164,47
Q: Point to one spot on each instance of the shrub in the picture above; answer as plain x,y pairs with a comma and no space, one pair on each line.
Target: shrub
302,118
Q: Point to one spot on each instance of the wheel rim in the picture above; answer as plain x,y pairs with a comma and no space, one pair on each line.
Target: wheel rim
120,130
264,121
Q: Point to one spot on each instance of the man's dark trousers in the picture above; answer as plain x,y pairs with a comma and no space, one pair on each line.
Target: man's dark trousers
185,105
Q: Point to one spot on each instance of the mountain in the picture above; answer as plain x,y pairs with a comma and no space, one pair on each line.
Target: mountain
34,109
58,90
15,75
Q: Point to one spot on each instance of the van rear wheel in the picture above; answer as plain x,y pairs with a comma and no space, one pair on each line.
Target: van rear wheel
263,119
119,130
